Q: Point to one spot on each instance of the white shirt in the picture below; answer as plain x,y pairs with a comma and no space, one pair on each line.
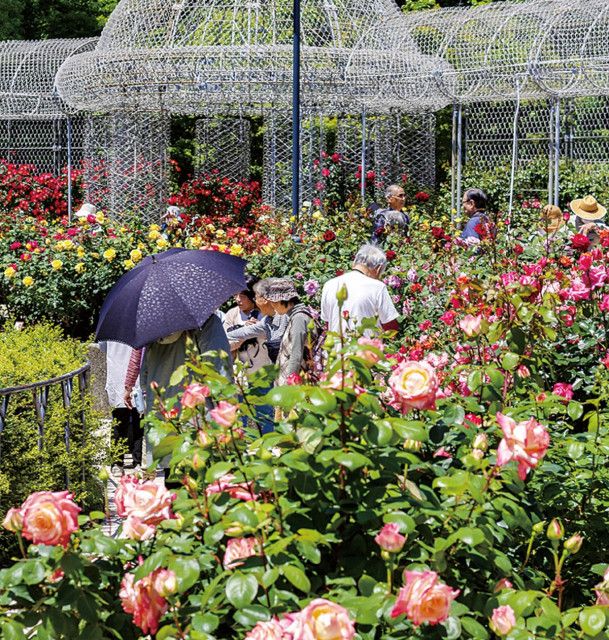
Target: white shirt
366,298
117,361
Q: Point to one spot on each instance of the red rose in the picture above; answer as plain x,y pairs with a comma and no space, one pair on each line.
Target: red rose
518,249
329,235
15,245
437,232
390,255
336,157
421,196
580,242
339,272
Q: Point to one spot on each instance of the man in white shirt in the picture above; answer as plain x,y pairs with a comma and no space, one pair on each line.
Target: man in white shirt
367,296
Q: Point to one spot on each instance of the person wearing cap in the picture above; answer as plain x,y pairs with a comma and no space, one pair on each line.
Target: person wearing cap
283,296
587,216
367,296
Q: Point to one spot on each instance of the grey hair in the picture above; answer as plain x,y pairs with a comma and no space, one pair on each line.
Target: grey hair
263,286
370,256
389,191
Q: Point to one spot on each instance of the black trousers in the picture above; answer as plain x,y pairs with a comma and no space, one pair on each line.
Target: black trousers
126,425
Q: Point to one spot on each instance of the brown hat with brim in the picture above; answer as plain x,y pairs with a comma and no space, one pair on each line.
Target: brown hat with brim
551,218
281,290
588,208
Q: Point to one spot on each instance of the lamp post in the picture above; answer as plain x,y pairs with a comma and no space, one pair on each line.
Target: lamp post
296,111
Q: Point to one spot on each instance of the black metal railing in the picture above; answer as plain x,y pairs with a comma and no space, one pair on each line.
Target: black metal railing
40,396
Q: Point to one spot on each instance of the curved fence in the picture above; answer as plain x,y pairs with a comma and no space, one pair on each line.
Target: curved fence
40,392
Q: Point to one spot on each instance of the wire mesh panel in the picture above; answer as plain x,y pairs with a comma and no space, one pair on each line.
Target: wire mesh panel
312,146
224,144
277,166
586,129
42,142
127,164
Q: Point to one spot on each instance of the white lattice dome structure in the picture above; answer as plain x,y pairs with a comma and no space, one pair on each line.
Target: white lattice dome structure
192,56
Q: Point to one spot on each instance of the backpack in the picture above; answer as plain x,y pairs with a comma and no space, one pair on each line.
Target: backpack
314,357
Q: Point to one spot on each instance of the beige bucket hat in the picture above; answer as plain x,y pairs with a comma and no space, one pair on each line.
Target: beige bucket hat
588,208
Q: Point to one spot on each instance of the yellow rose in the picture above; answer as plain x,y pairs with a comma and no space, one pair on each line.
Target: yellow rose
154,235
292,218
316,215
28,281
80,267
220,233
136,255
221,247
236,250
210,227
129,264
161,243
9,272
109,254
56,264
266,249
100,217
155,227
196,242
80,251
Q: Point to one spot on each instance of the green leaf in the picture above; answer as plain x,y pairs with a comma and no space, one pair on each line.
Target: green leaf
575,410
34,572
468,535
12,630
592,620
249,616
187,571
323,401
454,414
167,632
575,450
241,589
474,628
86,607
510,361
297,577
379,433
216,471
406,522
352,460
166,446
205,622
285,397
97,515
453,628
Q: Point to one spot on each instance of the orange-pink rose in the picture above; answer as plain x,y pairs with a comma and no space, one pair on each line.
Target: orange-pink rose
224,413
49,517
146,500
525,442
390,539
239,549
320,620
144,599
194,395
423,598
602,590
268,630
369,349
503,620
13,520
471,325
238,490
414,386
136,529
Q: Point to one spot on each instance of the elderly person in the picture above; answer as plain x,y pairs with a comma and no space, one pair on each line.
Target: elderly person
475,202
392,217
367,296
587,216
292,351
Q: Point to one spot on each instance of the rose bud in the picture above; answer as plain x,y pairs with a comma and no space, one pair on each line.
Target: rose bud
555,530
574,543
390,539
481,442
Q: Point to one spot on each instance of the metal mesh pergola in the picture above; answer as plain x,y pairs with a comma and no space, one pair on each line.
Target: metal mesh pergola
36,126
206,57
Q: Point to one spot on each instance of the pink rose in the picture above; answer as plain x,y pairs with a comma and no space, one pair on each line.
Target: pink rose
423,598
238,549
269,630
142,599
194,395
13,520
414,386
146,500
564,390
224,413
390,539
165,582
237,490
504,583
604,303
503,620
525,442
49,517
371,356
602,590
471,325
321,619
136,529
448,318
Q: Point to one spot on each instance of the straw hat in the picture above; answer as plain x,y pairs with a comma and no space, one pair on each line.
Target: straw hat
551,218
588,208
87,209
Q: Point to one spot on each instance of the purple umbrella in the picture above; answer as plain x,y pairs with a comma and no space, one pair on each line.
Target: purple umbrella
171,291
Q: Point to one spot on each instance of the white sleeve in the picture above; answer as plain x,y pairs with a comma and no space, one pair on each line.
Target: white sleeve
325,311
386,309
